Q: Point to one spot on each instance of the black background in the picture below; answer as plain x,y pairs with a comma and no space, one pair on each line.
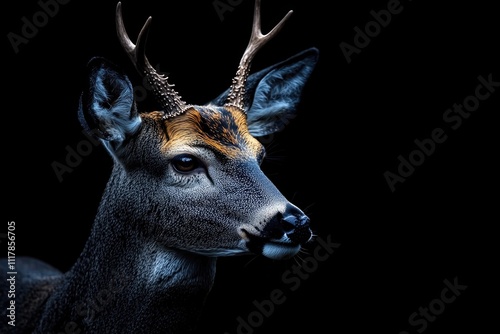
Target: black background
396,248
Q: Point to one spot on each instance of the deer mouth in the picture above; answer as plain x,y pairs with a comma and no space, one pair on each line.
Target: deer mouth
280,251
274,248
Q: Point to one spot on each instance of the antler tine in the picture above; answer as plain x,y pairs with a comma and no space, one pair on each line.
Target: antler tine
163,91
139,60
257,40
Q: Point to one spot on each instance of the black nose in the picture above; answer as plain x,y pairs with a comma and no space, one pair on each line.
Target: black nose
296,225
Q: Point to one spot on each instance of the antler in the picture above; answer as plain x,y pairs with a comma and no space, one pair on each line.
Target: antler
163,91
257,40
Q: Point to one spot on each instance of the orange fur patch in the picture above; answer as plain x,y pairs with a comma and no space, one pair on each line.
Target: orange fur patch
224,131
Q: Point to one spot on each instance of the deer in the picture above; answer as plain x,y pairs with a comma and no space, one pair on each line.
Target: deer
185,188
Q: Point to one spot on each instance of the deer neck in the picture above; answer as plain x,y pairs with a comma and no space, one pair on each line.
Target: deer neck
140,285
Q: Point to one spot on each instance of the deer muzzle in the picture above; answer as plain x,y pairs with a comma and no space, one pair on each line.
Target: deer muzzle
283,236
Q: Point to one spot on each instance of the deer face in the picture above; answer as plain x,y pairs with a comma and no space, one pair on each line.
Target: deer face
191,174
209,194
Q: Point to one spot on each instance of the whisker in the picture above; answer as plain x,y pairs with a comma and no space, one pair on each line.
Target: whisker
308,207
251,260
298,259
305,251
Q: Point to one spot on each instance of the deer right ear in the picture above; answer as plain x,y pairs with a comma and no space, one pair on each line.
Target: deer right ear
273,94
107,108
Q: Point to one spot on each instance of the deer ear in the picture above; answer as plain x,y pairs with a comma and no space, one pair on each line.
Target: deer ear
107,109
272,94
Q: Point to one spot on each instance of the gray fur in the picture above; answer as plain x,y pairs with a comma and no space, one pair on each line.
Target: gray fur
149,261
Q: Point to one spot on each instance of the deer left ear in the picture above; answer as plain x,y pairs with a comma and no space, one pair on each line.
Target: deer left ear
107,107
272,94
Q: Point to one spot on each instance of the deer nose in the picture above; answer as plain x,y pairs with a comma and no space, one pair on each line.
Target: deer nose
295,224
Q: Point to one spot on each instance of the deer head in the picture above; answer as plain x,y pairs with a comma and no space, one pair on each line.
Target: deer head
189,174
186,187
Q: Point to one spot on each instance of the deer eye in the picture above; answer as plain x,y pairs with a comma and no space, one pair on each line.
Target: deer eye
186,163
